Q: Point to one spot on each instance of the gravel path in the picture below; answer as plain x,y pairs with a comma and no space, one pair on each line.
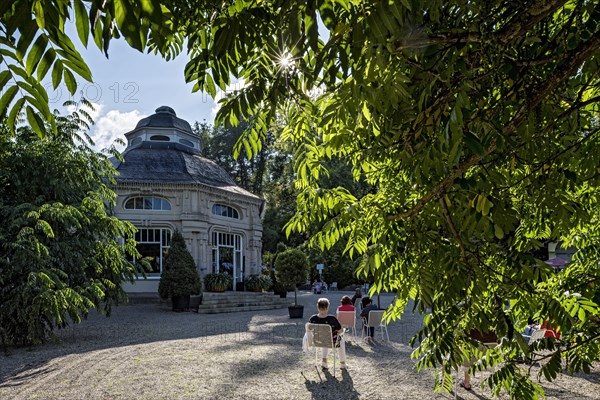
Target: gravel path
148,352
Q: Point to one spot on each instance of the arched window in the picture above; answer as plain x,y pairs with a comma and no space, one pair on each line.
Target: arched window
147,203
225,211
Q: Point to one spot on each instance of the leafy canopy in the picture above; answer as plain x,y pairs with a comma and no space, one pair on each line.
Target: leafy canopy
59,243
475,123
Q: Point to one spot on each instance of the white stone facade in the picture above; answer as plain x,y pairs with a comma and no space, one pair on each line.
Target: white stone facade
166,186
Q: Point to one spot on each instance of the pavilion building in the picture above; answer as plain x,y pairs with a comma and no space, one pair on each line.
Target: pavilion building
164,184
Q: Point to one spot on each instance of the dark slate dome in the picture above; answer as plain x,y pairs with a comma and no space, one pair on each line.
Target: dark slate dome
165,117
162,149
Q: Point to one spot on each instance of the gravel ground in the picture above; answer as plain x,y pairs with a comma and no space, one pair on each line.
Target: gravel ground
148,352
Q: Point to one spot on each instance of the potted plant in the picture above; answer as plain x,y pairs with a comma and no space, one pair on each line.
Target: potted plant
217,282
257,283
291,270
179,279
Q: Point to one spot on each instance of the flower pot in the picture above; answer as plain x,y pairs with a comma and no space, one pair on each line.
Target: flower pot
180,303
195,302
216,288
296,311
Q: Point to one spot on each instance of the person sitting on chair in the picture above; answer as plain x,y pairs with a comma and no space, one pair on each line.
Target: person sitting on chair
368,306
317,287
346,304
357,295
482,338
323,317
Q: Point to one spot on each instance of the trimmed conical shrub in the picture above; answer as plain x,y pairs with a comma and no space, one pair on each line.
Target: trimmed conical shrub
179,276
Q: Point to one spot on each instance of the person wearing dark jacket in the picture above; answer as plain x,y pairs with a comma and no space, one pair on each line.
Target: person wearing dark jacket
323,317
368,306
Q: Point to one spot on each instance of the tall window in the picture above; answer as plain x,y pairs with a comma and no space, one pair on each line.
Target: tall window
225,211
227,254
147,203
153,243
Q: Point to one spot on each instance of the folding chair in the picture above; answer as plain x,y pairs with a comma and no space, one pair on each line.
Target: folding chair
375,320
348,320
321,338
535,336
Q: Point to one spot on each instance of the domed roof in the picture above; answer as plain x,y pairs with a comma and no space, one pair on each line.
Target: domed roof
149,164
165,117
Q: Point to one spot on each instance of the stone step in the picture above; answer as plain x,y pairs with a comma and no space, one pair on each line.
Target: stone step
219,310
144,298
240,300
243,304
214,303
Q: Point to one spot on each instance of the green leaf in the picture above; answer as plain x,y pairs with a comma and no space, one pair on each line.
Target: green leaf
27,35
35,122
57,73
45,63
35,54
128,24
473,143
498,231
6,99
14,113
82,22
38,10
70,81
4,78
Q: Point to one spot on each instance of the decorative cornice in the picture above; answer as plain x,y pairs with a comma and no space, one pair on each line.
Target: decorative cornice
154,186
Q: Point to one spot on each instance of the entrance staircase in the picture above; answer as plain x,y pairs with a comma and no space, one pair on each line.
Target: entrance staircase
215,303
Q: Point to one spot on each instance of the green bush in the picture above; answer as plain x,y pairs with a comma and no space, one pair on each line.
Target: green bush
257,282
179,276
291,269
61,252
217,282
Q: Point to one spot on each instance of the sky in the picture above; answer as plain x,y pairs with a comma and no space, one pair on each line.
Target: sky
129,86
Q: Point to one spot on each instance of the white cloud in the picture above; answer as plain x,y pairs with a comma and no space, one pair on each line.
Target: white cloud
112,125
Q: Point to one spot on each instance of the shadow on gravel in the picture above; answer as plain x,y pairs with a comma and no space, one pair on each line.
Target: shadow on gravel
25,374
329,387
141,324
147,323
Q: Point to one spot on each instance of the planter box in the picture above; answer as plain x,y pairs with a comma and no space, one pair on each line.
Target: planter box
195,302
180,303
296,311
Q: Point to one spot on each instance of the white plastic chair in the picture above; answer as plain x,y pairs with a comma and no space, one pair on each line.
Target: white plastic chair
321,338
333,286
348,320
375,320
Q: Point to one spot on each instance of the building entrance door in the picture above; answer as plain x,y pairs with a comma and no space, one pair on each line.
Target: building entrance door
227,256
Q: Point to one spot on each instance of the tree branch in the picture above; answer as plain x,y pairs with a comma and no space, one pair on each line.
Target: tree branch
453,228
519,27
575,58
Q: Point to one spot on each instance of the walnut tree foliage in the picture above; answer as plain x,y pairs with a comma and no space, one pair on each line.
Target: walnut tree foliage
476,123
59,246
